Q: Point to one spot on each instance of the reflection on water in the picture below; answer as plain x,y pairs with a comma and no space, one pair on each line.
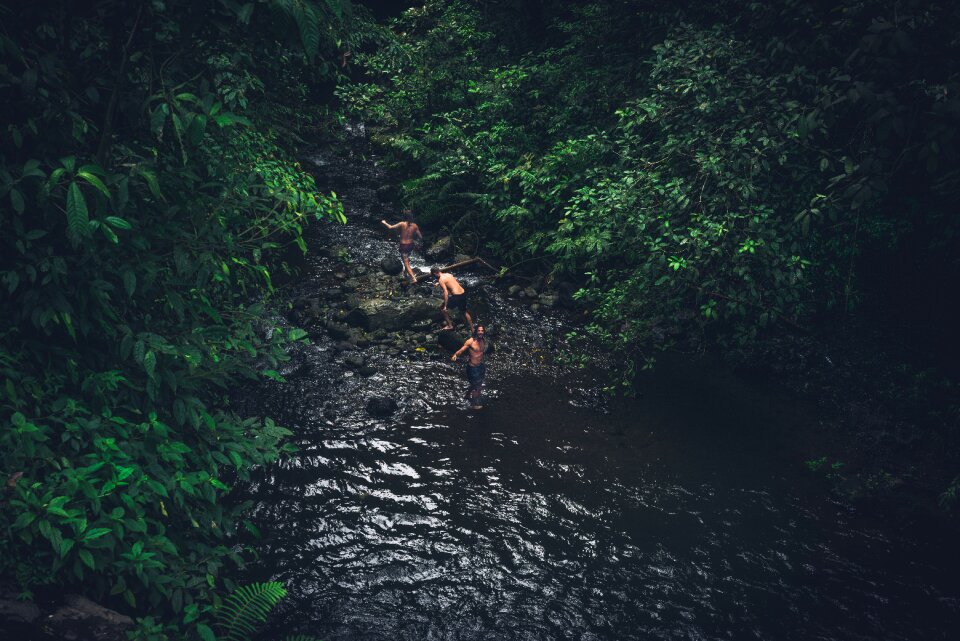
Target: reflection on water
679,515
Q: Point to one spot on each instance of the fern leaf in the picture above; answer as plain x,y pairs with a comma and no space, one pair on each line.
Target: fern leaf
309,25
336,7
246,608
78,220
305,18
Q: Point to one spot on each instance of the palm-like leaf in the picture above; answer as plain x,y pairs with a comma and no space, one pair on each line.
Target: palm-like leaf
305,17
78,220
246,608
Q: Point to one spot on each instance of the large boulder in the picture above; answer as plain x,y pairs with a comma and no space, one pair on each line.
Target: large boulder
442,248
391,265
391,315
80,619
451,340
16,616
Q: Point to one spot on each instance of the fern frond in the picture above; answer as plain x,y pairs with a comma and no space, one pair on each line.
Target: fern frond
246,608
305,18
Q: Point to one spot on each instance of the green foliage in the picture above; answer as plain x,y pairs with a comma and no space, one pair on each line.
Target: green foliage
950,497
700,173
246,608
823,466
154,195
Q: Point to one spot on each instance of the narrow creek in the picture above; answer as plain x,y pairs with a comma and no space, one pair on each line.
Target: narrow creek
553,513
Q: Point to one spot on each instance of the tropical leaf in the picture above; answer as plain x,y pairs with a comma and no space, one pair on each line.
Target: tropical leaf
246,608
336,7
96,182
78,220
303,15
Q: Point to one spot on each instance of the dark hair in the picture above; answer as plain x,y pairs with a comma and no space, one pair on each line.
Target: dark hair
407,214
434,270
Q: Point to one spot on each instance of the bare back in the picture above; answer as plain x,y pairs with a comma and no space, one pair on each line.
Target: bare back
408,231
450,284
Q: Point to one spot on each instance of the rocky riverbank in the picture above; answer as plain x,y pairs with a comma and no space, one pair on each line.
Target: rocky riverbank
68,617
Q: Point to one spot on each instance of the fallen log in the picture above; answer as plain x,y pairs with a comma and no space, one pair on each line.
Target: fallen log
470,261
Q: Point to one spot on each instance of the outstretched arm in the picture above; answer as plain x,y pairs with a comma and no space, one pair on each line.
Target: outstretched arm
461,350
388,225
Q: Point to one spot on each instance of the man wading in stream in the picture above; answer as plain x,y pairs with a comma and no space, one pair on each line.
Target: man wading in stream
454,296
476,348
408,229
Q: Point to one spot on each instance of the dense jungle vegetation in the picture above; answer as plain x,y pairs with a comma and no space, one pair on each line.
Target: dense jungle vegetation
775,181
150,194
754,178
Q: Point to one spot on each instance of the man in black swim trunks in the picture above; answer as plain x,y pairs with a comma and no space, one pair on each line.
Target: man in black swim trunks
408,229
454,297
476,347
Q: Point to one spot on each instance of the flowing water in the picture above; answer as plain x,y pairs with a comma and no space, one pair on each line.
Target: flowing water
554,513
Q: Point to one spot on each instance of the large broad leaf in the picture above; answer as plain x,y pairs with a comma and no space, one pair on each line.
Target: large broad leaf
78,220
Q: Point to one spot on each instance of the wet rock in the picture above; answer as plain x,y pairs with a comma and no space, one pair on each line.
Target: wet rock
80,619
338,331
367,370
451,340
379,313
345,346
334,292
381,406
514,290
330,415
460,258
354,361
298,365
535,308
391,265
530,292
14,613
549,300
388,193
305,306
442,248
301,303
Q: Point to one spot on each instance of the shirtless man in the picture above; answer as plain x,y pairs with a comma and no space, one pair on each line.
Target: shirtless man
453,296
408,229
476,348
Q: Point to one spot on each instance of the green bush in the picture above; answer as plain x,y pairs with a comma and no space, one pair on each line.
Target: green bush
150,194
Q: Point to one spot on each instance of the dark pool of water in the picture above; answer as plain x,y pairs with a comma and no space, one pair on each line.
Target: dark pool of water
554,514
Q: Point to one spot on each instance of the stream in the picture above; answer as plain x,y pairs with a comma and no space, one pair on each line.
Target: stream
555,512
